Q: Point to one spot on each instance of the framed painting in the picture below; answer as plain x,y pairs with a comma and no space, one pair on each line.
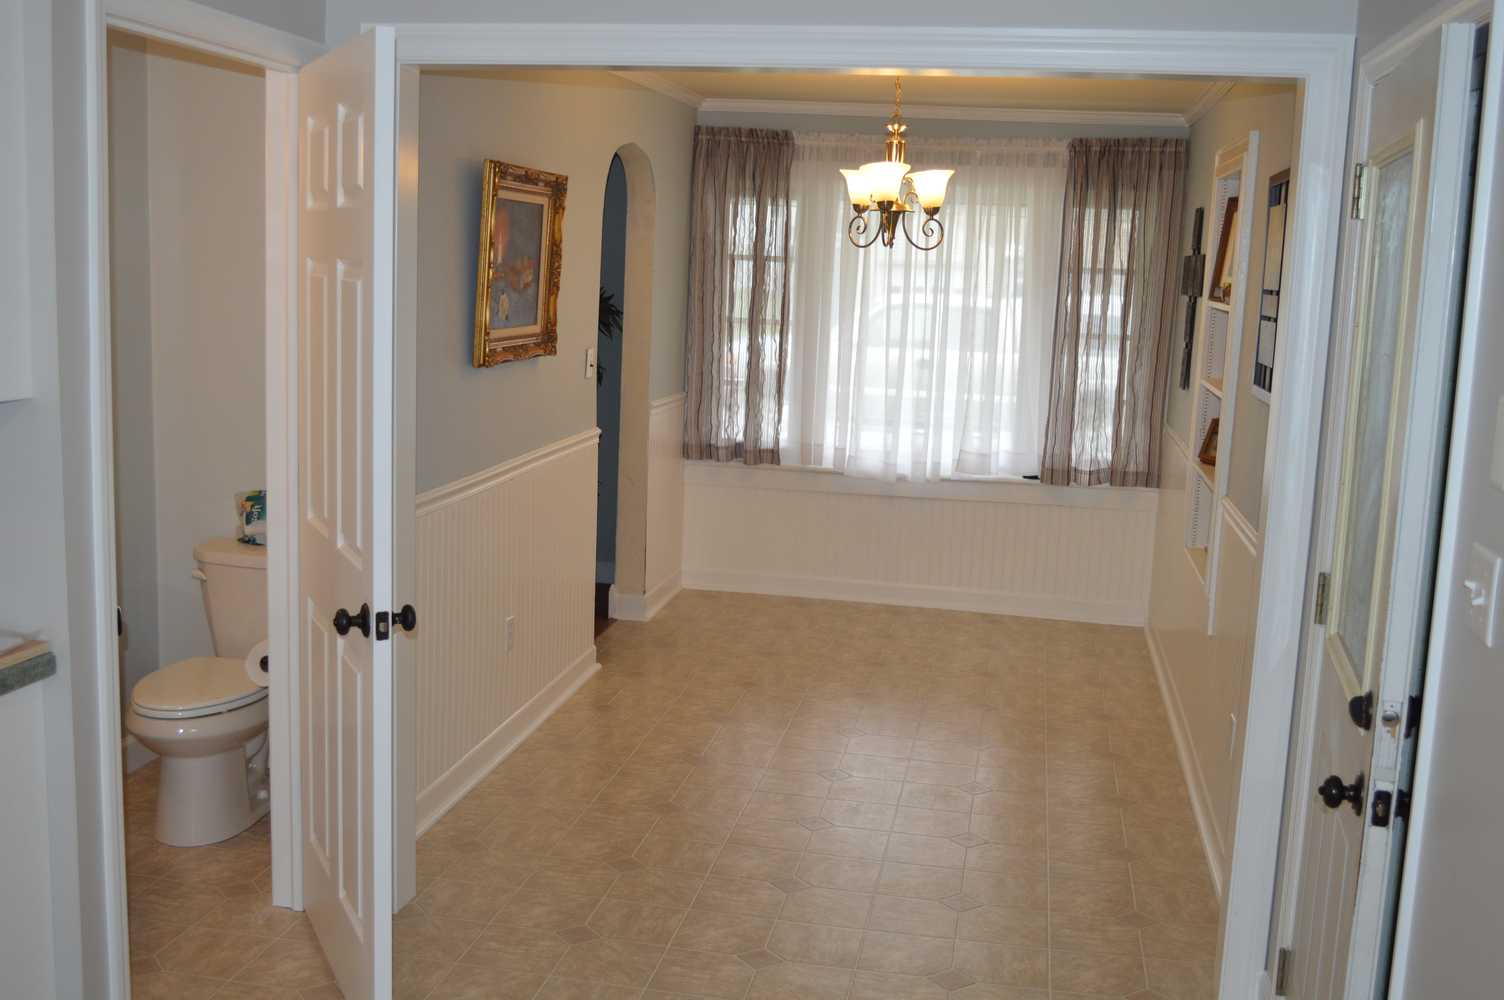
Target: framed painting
1274,265
1225,263
519,263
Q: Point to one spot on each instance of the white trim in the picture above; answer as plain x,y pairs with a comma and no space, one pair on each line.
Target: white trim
942,112
195,26
662,85
135,754
1241,526
1190,767
644,607
441,796
459,489
918,596
808,479
664,402
282,480
1322,62
101,561
1209,99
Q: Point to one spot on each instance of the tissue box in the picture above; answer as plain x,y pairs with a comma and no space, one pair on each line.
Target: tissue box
250,519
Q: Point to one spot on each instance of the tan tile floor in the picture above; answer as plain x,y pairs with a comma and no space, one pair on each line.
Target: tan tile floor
201,920
769,798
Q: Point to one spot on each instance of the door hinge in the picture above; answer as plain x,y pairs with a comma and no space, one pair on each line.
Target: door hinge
1323,585
1281,972
1360,192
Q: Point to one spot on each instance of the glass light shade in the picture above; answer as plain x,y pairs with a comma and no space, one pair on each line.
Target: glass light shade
885,178
859,186
929,186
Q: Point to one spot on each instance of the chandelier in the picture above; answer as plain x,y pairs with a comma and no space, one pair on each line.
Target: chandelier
897,194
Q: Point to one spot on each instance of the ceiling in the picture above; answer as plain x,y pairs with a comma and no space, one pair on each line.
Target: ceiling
1152,96
1153,101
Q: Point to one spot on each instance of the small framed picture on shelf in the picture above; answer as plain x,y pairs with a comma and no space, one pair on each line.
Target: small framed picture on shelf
1208,453
1225,262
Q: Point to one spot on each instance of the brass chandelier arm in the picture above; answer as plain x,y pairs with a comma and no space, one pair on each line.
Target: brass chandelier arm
932,229
857,228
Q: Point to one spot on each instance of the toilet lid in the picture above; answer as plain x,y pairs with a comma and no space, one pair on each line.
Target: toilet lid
204,685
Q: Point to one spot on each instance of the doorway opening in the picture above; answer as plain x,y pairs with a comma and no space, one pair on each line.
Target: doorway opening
608,377
188,280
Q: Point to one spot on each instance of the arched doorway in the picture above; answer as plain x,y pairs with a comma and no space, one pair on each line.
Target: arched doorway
627,224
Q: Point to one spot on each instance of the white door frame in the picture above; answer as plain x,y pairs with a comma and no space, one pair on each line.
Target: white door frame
1430,382
280,54
1322,63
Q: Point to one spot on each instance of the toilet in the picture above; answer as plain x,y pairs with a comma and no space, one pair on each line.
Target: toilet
203,716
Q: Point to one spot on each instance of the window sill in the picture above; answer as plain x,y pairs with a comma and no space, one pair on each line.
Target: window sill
805,479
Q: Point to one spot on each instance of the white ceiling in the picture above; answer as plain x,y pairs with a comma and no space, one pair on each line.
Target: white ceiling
1060,99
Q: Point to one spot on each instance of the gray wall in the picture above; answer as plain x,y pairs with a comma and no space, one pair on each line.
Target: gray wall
608,394
345,16
470,419
300,17
188,324
1273,111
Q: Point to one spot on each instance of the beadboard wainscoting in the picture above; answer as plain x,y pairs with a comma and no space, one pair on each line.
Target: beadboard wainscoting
512,544
665,514
1006,548
1204,667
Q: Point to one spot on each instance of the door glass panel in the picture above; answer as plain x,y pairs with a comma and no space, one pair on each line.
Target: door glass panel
1375,398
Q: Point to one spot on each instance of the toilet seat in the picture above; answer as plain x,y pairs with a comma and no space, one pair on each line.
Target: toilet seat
196,687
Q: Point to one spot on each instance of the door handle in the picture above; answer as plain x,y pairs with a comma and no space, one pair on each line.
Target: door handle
1334,791
361,620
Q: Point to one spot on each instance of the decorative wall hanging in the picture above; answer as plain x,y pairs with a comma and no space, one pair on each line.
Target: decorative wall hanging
1226,263
1192,274
519,263
1274,264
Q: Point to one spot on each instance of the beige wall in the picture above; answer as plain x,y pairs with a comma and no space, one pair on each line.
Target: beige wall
470,419
187,315
1272,110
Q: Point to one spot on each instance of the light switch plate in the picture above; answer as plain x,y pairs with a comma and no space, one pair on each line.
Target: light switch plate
589,364
1480,588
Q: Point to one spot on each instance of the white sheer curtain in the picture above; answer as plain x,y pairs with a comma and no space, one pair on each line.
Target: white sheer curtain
925,365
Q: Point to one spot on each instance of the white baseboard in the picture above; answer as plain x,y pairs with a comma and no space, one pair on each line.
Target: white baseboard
134,754
914,595
439,797
643,607
1194,782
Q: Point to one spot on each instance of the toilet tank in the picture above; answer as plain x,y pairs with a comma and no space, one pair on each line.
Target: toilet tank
233,575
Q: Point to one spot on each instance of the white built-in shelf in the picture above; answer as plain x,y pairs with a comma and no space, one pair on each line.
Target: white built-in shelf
1199,556
1219,349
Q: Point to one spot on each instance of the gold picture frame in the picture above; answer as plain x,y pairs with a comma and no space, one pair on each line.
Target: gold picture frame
1227,251
519,264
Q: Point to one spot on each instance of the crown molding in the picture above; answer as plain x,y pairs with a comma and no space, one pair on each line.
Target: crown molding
1214,92
1023,116
662,85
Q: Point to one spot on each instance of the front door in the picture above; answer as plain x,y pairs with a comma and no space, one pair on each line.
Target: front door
1389,434
346,109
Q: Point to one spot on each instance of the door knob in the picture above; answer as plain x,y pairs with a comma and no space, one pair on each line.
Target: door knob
1334,791
406,619
361,620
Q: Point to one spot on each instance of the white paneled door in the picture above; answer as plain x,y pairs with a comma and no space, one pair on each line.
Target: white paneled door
347,104
1388,436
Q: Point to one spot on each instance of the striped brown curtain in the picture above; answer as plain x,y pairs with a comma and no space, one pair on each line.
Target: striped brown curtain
1114,311
736,343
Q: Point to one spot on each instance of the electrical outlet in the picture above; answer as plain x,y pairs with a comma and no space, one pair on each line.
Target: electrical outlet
511,632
